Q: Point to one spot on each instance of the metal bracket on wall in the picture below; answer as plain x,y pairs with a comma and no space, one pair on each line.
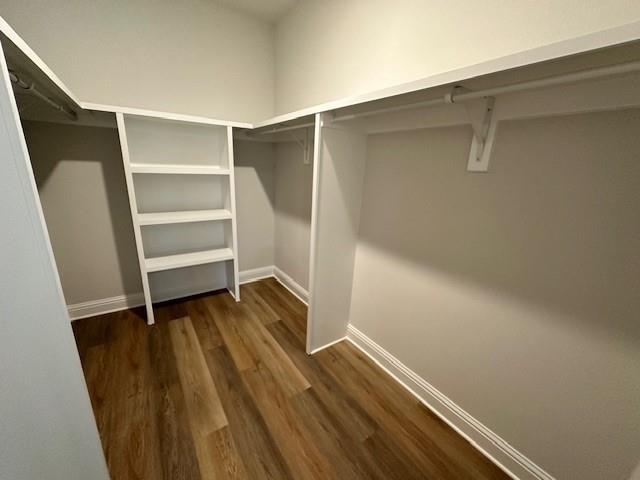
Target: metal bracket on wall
480,113
304,144
483,122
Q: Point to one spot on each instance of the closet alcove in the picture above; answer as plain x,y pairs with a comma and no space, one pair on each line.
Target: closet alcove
175,237
598,81
276,231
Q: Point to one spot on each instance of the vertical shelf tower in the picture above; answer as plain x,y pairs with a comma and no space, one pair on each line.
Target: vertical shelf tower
180,181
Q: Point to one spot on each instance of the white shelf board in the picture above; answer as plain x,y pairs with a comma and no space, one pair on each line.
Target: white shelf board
162,218
178,117
176,169
169,262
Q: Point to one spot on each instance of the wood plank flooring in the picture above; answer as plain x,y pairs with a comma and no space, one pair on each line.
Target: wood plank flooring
224,390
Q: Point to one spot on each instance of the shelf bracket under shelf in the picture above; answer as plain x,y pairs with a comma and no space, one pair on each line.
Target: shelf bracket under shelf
304,144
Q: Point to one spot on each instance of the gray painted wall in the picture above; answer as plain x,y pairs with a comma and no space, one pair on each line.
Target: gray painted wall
193,56
293,212
515,292
82,188
255,202
334,49
84,197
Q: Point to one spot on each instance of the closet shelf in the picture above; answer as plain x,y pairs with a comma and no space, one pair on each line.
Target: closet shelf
169,262
162,218
176,169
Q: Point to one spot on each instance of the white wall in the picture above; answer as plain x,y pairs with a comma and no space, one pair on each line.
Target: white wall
47,428
192,56
202,58
331,49
255,202
515,292
82,189
293,212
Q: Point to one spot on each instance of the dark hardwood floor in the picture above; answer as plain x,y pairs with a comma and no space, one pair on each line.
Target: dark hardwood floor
224,390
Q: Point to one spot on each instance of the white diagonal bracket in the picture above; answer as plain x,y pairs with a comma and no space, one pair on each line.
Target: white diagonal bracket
304,144
483,122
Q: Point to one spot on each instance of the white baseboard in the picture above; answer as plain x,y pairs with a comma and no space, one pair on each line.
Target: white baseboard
288,283
489,443
104,305
123,302
101,306
255,274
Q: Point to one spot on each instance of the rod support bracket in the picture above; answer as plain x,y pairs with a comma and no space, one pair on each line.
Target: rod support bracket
304,144
483,122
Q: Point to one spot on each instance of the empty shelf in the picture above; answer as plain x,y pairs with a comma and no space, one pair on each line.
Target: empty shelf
188,259
178,169
163,218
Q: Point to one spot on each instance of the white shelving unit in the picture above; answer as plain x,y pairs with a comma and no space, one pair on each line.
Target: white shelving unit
183,212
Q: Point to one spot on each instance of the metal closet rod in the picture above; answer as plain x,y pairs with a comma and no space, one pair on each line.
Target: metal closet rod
31,88
452,97
282,129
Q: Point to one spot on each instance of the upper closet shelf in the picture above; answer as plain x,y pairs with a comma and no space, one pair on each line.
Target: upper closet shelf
169,262
162,218
178,169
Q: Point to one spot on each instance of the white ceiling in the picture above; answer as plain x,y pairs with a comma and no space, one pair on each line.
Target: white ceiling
270,10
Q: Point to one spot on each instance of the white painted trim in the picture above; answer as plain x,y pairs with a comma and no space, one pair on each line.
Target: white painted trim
231,205
313,236
124,302
104,305
330,344
133,207
255,274
290,284
505,456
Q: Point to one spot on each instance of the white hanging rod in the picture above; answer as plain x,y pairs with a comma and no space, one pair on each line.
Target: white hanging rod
31,89
517,87
282,129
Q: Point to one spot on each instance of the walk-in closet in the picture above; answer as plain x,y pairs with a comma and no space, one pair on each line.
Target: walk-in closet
319,240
